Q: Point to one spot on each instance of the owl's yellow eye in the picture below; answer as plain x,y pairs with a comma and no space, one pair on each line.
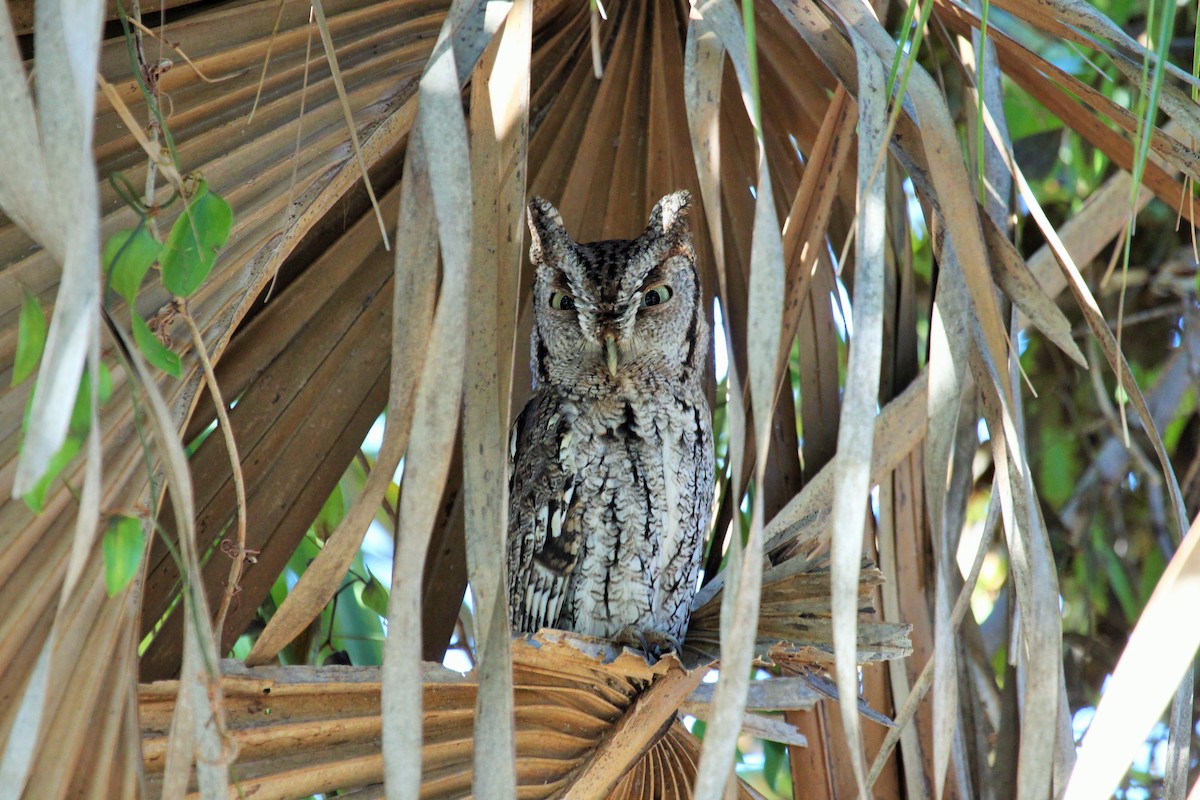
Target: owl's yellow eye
656,296
562,302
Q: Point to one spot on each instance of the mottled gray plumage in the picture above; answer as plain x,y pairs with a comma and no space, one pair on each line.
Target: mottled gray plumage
612,458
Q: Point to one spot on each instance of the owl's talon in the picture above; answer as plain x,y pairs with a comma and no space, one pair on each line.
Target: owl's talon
653,643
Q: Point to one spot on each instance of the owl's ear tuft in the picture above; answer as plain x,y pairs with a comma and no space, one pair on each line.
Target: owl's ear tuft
670,215
545,228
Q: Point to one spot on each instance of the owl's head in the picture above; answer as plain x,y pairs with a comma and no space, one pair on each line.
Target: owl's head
620,310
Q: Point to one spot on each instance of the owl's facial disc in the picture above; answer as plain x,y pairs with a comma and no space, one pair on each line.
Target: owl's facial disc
615,313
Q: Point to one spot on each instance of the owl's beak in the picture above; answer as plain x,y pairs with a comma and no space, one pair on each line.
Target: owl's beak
611,353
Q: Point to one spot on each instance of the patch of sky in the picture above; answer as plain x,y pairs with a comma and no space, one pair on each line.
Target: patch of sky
373,441
843,316
456,657
720,346
916,217
378,550
1081,721
374,438
796,148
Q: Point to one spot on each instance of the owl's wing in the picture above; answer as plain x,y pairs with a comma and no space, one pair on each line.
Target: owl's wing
543,539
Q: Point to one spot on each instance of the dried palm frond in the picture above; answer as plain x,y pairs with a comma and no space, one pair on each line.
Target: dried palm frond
581,706
794,623
282,196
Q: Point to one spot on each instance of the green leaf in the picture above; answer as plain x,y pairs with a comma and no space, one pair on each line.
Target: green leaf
774,759
128,256
106,385
1059,464
81,414
354,626
1153,566
331,513
35,498
374,596
155,351
1118,578
123,542
31,338
191,248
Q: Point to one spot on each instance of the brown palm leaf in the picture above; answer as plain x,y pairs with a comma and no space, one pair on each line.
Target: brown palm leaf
588,717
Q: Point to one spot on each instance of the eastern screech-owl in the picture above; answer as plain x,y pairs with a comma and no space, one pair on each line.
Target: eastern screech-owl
612,458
